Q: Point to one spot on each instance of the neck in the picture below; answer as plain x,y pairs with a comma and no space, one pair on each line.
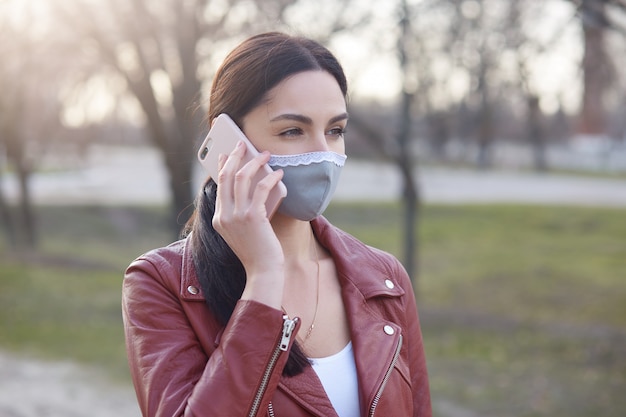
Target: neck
295,238
301,295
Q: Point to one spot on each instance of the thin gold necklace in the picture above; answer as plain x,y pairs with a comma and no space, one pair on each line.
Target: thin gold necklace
317,301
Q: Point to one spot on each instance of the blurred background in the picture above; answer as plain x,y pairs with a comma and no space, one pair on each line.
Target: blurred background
487,151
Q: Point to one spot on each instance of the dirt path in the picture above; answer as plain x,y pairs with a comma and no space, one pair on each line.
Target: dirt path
118,175
35,388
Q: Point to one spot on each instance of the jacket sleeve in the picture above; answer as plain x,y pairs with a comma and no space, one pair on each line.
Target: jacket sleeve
172,373
417,359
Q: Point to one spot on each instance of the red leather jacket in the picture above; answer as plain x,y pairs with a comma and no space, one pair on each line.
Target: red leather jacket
184,364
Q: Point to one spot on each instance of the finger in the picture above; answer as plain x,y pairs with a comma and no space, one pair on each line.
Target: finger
221,190
227,167
263,189
244,178
232,163
221,160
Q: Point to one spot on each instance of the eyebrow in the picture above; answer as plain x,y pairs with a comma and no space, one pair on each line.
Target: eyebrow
307,120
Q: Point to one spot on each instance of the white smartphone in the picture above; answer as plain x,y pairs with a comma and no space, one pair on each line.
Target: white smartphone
221,139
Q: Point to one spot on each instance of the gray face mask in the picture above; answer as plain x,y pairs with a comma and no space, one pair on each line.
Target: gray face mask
311,179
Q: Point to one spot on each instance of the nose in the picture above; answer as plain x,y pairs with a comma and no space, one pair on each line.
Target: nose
320,142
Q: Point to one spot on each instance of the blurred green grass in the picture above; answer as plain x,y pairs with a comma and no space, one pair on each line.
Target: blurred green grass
523,308
63,302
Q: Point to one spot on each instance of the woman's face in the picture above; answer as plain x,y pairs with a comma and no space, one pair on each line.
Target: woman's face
304,113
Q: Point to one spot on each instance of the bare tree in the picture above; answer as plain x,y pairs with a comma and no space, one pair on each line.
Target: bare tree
597,66
597,18
29,116
415,81
165,51
525,50
476,41
405,159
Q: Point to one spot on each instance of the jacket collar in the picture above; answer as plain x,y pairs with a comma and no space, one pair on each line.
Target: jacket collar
348,254
190,289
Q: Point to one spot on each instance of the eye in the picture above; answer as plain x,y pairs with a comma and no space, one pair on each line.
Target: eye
291,132
337,132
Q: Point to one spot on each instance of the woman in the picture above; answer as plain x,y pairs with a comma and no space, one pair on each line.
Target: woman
248,316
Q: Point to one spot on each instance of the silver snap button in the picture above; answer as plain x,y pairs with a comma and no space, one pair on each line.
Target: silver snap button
192,290
389,330
389,284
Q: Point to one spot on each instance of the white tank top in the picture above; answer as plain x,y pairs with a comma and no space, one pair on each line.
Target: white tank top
338,375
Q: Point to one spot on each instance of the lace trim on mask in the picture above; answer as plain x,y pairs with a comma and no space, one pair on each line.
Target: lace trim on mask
307,159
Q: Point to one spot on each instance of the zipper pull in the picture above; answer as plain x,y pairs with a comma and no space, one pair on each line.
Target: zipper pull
288,326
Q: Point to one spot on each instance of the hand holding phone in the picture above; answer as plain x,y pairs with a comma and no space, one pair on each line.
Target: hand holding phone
222,139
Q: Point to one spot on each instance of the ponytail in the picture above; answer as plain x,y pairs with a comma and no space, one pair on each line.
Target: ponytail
221,274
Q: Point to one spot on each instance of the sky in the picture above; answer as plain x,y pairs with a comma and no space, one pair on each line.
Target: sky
372,74
554,74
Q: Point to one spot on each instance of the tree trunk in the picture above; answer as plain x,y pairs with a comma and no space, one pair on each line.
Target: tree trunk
24,226
179,168
485,121
27,215
411,205
7,220
595,67
536,133
410,194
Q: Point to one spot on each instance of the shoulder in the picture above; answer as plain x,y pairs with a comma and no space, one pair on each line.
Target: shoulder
358,260
347,245
164,258
162,266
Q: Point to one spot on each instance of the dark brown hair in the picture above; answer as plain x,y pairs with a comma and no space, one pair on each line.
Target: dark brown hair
242,82
261,62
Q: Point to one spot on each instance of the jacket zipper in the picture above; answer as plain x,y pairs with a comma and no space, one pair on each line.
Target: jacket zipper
288,326
385,379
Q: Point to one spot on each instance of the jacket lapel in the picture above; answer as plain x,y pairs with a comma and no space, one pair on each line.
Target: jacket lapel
364,282
307,390
374,339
